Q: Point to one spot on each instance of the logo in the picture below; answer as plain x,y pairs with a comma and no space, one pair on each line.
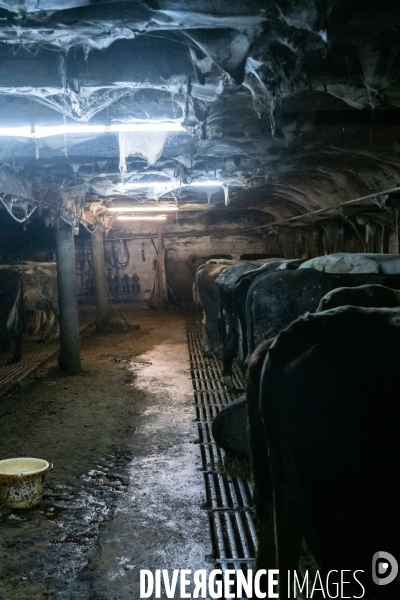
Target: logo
384,568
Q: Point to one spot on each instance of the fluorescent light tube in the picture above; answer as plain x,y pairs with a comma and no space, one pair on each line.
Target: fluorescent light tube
157,185
205,183
141,217
162,126
166,184
142,209
24,131
47,131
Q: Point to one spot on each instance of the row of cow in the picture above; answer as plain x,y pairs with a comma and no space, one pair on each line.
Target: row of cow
28,302
322,343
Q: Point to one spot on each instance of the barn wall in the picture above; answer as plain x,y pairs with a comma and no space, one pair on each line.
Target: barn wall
131,251
184,255
336,236
136,257
188,243
190,239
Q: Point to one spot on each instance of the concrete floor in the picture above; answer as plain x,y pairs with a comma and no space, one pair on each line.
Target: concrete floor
159,523
127,490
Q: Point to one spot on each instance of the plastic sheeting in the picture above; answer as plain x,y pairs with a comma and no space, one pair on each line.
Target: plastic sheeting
147,144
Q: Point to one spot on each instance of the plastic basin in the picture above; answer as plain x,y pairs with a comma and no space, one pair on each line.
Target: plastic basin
22,481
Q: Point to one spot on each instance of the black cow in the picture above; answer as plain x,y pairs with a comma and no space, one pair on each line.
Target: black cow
325,402
206,293
276,299
233,284
369,296
11,312
229,428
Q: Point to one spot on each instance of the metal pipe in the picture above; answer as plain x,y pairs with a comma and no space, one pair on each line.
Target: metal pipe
321,210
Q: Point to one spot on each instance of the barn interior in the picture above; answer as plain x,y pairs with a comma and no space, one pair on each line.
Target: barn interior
159,134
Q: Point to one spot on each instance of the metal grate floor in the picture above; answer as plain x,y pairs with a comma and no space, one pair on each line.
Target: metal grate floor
34,356
227,481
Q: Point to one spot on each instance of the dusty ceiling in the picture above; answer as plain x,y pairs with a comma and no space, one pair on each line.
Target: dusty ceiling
290,105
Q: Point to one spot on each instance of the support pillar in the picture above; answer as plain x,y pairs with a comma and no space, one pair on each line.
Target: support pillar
289,243
69,357
102,296
339,241
394,236
370,234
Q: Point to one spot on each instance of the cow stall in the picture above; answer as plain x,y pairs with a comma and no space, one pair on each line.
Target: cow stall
199,299
228,479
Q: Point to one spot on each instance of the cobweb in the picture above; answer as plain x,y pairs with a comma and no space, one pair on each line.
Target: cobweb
147,144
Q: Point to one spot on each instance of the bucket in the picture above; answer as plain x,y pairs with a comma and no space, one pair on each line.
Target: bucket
22,481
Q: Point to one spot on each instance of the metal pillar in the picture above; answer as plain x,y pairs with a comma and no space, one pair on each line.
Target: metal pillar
69,358
100,278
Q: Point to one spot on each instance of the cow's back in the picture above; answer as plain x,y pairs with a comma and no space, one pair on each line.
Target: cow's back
330,397
276,299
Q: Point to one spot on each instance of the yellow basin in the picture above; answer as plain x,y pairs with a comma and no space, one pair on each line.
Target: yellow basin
22,481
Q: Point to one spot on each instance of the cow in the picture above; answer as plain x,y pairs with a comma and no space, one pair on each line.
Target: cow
344,262
207,294
369,296
324,414
276,299
225,283
40,297
11,312
233,284
229,428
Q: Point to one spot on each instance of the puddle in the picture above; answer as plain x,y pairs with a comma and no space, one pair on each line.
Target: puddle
54,542
133,369
139,364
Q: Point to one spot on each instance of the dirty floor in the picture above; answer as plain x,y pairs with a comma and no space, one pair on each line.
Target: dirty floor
126,492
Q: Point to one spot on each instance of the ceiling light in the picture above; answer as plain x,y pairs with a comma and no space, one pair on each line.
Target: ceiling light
165,185
142,217
207,183
24,131
46,131
169,184
146,126
135,208
158,185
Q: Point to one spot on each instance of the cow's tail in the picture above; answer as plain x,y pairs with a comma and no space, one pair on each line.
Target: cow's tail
195,295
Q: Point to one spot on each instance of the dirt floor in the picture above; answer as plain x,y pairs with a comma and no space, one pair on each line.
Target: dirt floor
126,492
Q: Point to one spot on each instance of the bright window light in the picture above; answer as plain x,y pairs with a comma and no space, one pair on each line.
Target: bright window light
142,217
142,209
47,131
